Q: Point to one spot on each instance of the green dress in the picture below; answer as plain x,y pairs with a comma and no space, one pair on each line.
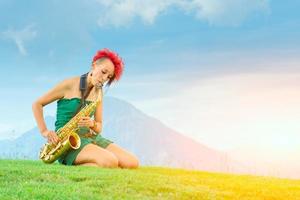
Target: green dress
66,108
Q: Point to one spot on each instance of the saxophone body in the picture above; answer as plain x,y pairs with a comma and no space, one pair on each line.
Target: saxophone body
68,137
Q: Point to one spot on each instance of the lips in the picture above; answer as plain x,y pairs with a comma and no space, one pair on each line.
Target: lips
99,84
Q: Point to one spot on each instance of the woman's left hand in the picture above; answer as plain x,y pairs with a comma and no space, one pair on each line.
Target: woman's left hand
86,121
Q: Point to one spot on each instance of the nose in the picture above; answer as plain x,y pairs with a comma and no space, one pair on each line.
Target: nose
105,78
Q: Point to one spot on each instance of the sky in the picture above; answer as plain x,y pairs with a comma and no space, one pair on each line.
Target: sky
223,72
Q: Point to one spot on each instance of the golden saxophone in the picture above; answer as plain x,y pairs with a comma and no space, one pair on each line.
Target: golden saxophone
68,138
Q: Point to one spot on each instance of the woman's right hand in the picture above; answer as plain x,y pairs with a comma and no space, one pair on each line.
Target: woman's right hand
51,136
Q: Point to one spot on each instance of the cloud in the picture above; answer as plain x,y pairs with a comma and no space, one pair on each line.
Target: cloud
20,37
249,108
224,12
215,12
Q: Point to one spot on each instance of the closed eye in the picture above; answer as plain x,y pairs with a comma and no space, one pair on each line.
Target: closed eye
104,72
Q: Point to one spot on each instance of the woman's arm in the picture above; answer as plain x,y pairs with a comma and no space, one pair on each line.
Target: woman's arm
97,122
97,125
37,107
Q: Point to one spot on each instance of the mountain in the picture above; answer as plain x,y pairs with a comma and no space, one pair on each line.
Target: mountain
27,145
149,139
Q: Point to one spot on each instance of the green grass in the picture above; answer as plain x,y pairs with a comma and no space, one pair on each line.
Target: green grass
21,179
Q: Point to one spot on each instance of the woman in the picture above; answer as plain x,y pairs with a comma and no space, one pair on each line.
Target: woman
95,150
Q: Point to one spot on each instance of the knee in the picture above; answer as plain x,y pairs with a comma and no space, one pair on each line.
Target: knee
133,163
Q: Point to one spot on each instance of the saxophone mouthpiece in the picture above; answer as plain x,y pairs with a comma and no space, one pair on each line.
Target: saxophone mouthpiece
99,85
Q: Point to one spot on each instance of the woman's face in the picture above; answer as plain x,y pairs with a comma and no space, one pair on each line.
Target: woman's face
103,70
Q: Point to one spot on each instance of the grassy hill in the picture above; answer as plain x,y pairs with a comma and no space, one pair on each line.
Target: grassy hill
21,179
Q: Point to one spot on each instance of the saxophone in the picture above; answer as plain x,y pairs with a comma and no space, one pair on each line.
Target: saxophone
68,137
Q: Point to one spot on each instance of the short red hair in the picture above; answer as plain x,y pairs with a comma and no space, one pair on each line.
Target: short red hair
115,59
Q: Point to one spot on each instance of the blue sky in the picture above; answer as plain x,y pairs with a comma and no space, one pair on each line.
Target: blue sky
211,68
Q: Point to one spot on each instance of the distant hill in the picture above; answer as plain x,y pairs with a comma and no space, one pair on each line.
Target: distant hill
148,138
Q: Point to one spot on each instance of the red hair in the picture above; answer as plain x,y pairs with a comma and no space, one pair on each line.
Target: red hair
115,59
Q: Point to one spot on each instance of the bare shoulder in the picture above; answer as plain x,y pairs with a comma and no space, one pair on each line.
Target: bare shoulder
71,82
58,91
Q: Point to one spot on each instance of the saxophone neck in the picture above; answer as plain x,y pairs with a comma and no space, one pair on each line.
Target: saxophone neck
100,96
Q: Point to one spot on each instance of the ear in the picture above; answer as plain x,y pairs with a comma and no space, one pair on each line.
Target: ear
93,65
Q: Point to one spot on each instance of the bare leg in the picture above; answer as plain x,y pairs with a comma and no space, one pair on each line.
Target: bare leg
94,154
126,159
88,164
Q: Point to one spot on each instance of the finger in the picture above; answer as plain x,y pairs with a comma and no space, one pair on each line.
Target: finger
55,137
51,141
